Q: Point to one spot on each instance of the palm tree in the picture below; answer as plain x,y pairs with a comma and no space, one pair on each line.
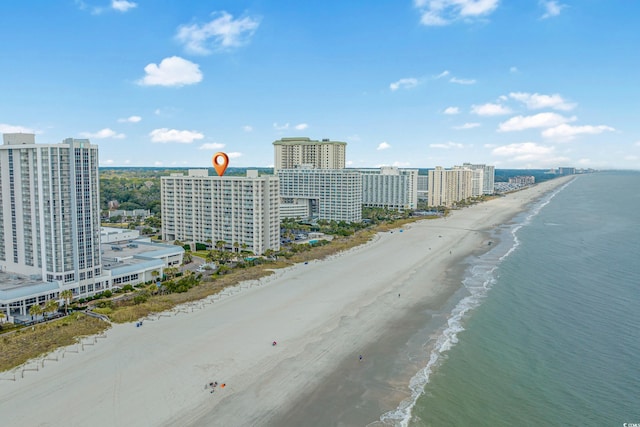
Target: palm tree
51,306
2,315
211,256
155,274
35,310
187,258
220,244
67,295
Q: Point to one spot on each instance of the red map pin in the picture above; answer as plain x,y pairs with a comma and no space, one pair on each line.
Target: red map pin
220,162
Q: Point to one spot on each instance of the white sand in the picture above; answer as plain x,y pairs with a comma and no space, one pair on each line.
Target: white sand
321,314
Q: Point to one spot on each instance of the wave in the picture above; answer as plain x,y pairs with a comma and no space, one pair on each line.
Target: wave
479,279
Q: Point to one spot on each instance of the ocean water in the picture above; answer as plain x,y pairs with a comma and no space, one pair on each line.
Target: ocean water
549,331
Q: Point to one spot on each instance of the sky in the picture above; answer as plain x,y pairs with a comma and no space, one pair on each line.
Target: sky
407,83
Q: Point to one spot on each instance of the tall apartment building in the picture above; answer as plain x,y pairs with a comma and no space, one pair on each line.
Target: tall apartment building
488,176
329,194
423,187
449,186
49,218
241,211
390,187
293,152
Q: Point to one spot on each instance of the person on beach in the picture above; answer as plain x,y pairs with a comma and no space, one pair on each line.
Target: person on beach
360,358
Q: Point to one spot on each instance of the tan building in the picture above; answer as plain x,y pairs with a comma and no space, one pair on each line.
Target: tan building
390,187
449,186
293,152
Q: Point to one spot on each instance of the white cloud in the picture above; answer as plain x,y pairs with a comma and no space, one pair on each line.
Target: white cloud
529,155
406,83
165,135
451,110
468,126
103,134
107,162
211,146
490,109
537,101
400,164
462,81
566,132
383,146
123,5
638,143
285,126
513,70
631,157
447,146
221,33
247,128
540,120
157,163
130,119
445,73
551,8
172,71
301,126
443,12
5,128
234,155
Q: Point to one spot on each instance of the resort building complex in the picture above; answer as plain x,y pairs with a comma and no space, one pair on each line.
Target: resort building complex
292,152
390,187
243,212
49,222
328,194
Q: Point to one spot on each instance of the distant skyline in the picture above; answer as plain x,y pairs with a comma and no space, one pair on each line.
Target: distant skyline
422,83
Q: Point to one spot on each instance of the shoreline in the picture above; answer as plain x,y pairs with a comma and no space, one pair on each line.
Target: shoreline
323,316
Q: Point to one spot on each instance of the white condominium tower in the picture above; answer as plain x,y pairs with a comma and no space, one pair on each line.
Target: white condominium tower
50,209
294,152
329,194
390,187
449,186
241,211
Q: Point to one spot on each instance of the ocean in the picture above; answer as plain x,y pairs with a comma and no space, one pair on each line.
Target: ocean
547,332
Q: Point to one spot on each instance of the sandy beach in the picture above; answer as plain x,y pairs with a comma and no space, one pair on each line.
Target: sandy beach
370,302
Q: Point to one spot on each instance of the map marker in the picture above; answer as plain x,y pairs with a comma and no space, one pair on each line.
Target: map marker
220,162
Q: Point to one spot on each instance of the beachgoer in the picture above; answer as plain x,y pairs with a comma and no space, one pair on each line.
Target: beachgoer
223,385
360,357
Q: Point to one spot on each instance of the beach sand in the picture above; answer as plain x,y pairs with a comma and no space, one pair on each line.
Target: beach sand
369,301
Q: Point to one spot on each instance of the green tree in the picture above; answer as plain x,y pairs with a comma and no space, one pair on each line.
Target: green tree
67,296
187,258
35,310
51,306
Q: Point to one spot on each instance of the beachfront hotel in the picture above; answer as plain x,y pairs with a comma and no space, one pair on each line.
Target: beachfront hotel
292,152
390,187
327,194
50,224
241,211
488,176
449,186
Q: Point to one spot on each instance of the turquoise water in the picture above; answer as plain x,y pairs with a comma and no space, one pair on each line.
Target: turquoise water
554,337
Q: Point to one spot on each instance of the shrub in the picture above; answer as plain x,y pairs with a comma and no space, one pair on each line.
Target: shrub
107,294
140,298
127,288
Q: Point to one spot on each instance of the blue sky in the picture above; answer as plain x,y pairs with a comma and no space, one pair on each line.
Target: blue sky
422,83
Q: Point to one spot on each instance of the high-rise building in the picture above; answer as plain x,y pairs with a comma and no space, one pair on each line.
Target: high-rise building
293,152
49,208
241,211
49,220
449,186
329,194
488,176
390,187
